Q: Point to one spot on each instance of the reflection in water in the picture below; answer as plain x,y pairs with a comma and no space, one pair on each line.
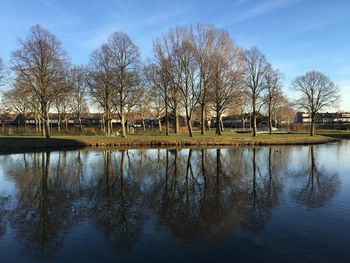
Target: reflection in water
319,184
45,207
113,203
2,215
263,192
199,200
190,194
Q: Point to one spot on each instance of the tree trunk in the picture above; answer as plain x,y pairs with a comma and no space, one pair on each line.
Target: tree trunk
189,124
270,117
166,116
270,124
80,124
243,124
110,125
108,122
47,122
176,121
221,124
208,121
254,118
36,124
159,122
24,123
103,127
217,123
123,125
312,125
59,123
66,124
40,125
143,124
254,124
202,119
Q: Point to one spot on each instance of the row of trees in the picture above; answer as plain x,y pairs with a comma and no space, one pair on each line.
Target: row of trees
201,66
193,68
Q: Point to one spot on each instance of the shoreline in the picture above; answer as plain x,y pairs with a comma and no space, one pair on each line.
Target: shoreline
17,144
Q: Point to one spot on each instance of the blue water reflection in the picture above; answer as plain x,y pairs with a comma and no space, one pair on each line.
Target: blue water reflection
289,204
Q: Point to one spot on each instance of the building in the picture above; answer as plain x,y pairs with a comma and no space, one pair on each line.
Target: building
91,119
325,119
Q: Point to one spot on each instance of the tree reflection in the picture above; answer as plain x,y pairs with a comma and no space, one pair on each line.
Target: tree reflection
318,184
263,194
113,206
272,182
45,208
3,201
190,194
178,211
221,209
199,197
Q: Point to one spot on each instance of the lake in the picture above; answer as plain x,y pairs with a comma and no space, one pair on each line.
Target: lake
279,204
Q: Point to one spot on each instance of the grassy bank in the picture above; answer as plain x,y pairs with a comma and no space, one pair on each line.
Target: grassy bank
25,143
339,134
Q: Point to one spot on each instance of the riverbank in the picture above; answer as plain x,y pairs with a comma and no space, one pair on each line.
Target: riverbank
28,143
335,134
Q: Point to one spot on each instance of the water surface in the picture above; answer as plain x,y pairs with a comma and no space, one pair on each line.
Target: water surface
280,204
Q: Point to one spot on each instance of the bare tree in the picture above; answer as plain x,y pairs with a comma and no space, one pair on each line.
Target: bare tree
284,113
34,105
158,93
100,80
18,99
317,92
160,75
274,94
125,58
227,76
144,105
41,63
185,67
256,66
164,48
78,100
243,107
158,107
204,42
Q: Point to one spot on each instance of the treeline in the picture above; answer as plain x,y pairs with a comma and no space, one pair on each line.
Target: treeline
192,69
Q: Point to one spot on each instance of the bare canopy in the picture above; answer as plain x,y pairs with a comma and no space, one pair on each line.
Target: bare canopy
255,71
317,92
41,63
274,97
125,66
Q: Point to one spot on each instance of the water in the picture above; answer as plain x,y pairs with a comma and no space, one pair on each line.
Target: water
280,204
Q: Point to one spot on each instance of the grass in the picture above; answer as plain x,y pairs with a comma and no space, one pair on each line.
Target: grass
28,143
339,134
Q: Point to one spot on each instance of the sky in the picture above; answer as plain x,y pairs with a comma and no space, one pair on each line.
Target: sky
296,35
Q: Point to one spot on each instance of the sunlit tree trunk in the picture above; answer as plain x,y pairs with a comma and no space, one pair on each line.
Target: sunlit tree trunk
176,121
312,128
46,120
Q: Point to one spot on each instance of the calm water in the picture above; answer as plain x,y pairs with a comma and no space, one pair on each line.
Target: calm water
280,204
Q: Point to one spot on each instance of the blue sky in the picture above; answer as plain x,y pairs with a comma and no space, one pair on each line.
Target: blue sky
295,35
